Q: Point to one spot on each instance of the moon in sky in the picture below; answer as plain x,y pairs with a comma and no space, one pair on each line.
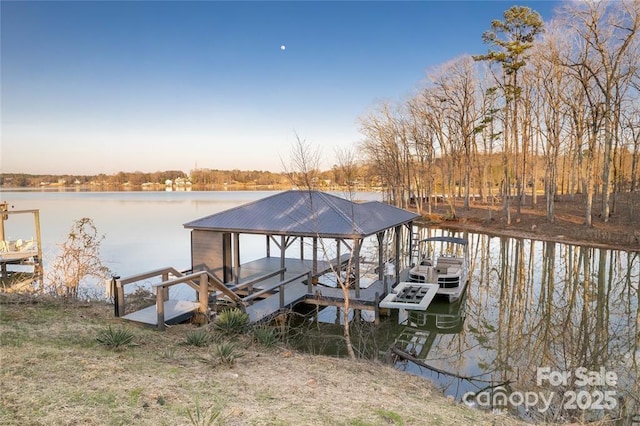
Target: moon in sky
282,47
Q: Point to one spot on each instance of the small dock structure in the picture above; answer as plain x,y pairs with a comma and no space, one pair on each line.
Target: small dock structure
325,234
410,295
20,258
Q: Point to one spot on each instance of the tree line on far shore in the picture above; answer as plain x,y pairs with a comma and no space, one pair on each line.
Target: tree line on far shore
199,178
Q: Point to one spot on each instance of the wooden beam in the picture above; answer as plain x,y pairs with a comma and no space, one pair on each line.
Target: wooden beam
283,249
204,295
356,252
268,248
159,310
353,304
120,297
272,287
314,263
255,280
236,257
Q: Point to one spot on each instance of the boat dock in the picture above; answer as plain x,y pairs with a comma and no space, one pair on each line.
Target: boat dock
20,259
264,290
326,233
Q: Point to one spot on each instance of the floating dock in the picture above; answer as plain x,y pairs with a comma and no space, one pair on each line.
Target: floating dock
410,295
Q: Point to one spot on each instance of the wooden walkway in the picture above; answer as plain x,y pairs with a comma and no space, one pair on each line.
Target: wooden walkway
176,311
263,289
277,299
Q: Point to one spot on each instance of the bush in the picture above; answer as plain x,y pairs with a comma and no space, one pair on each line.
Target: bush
232,321
225,353
203,417
266,335
78,262
115,338
197,338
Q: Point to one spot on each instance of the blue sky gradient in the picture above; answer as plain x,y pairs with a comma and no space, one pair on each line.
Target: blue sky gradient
102,87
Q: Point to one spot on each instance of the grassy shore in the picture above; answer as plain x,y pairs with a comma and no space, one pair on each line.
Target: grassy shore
54,371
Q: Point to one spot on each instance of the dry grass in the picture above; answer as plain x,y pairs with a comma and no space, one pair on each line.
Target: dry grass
54,372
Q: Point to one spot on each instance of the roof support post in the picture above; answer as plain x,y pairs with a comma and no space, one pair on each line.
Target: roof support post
39,270
380,236
356,259
283,249
314,267
411,243
397,254
268,245
381,265
236,256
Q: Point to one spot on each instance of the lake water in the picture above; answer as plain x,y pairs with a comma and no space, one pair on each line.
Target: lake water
552,320
143,230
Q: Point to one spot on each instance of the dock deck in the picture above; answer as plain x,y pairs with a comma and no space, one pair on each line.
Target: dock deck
176,311
263,298
298,290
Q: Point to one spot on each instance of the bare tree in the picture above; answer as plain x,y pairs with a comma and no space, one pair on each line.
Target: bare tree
489,131
305,164
605,62
458,84
347,164
386,146
550,78
423,153
631,125
78,261
305,160
439,125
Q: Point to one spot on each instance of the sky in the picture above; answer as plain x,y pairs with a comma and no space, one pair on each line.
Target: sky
103,87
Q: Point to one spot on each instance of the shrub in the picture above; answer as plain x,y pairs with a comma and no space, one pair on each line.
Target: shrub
115,338
232,321
79,260
203,417
198,338
225,353
266,335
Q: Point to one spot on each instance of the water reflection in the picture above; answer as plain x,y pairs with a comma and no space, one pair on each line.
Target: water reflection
532,309
535,305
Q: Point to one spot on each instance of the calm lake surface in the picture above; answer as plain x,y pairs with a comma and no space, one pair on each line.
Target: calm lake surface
534,313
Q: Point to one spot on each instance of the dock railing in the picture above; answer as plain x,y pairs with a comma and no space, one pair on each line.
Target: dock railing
204,283
200,281
280,286
163,289
250,283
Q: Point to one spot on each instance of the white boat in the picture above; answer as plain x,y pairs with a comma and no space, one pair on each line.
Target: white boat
444,261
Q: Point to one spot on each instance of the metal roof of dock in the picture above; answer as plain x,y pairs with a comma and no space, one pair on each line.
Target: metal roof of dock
306,213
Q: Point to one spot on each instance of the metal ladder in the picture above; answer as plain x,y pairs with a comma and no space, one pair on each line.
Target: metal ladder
415,246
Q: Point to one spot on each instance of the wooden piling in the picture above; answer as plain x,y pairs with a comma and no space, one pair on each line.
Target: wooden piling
160,310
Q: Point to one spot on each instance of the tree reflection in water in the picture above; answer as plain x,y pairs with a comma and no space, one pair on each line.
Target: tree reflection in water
535,306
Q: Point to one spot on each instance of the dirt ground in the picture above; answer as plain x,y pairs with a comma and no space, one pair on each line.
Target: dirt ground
621,231
53,371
